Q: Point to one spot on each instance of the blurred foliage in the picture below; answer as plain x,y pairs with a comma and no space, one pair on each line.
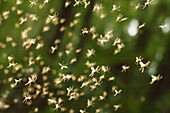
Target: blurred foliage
151,42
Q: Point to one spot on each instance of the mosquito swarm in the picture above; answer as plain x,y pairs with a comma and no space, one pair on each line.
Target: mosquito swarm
41,66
